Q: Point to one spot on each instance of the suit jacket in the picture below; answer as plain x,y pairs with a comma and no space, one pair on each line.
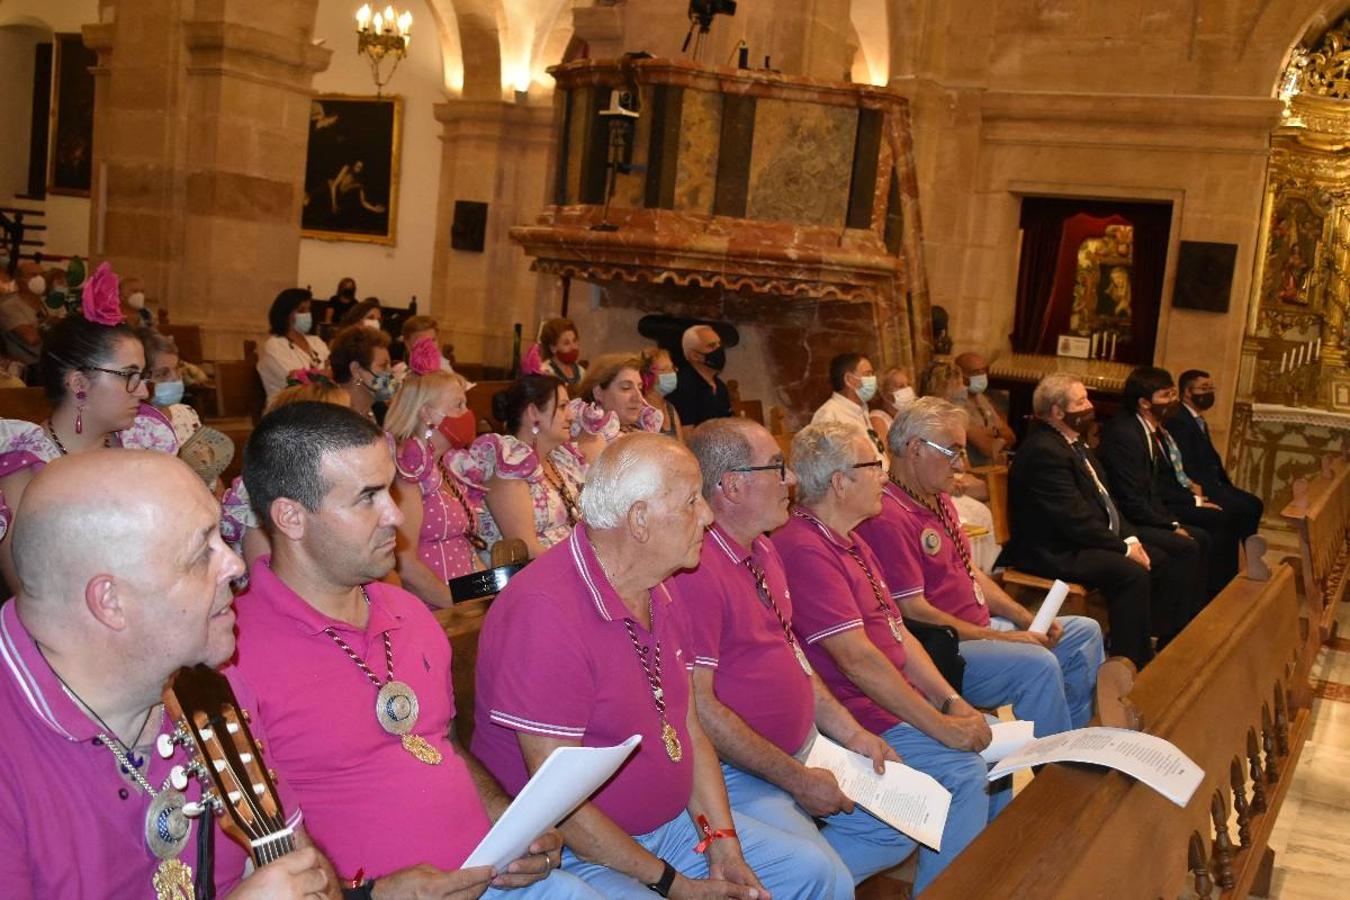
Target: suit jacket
1054,508
1146,488
1198,456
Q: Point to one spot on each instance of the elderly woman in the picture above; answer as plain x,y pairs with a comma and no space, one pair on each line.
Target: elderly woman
93,371
438,538
291,346
855,633
361,365
609,402
367,313
658,380
557,352
527,482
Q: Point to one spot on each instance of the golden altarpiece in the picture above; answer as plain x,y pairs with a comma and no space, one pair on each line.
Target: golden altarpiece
1294,385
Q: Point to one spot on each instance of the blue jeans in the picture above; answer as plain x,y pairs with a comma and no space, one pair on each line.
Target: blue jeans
959,771
789,867
559,885
1052,688
858,844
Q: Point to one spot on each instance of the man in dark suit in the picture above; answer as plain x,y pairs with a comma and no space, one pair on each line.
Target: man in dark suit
1146,475
1066,524
1203,464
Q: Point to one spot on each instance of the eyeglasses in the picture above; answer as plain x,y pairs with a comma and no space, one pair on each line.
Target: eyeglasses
871,464
953,456
780,467
134,378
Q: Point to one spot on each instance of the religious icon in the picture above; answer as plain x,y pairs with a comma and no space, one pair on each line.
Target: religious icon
1103,294
352,168
70,162
1291,249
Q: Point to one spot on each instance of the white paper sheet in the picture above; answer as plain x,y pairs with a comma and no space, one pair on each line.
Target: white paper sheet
1145,757
1054,599
1009,737
906,799
566,779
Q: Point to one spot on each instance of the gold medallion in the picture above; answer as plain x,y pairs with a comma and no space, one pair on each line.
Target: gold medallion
979,592
420,748
672,742
895,629
801,658
931,541
173,881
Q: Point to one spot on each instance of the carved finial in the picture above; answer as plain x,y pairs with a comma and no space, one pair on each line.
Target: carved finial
1281,722
1244,818
1223,845
1258,804
1268,745
1195,857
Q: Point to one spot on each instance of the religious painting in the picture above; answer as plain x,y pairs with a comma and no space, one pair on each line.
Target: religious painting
71,144
1204,276
1291,249
352,168
1103,293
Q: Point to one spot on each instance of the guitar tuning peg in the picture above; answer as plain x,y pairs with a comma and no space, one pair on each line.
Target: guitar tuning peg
192,809
178,778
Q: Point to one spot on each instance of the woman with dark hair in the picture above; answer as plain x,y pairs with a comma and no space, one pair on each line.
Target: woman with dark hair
94,373
366,313
361,367
291,346
525,483
343,299
557,353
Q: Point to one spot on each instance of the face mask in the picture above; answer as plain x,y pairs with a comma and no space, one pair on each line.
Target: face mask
1079,422
304,322
665,382
347,292
978,384
371,323
382,386
1203,401
57,298
459,430
567,357
868,389
38,285
168,393
903,398
716,360
1163,411
136,300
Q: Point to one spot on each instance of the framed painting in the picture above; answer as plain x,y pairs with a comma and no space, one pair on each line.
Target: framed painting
352,168
71,142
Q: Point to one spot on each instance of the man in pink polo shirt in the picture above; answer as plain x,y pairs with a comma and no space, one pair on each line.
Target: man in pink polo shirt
855,635
925,556
123,578
353,675
758,698
585,648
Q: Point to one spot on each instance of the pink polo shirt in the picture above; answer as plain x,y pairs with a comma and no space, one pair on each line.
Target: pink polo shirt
918,557
71,825
834,596
375,806
555,660
734,632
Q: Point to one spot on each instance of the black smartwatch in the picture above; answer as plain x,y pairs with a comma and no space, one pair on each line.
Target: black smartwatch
663,884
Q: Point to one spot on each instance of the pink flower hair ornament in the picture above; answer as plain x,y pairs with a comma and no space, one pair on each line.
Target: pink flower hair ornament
297,377
425,357
100,300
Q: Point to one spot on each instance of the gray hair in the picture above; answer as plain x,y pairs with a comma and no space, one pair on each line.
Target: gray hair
156,342
922,420
630,470
818,451
721,445
1053,390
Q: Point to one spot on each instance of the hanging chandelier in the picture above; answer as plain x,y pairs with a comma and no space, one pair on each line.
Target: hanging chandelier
382,36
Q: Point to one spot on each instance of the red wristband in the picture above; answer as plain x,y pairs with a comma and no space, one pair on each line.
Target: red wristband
709,835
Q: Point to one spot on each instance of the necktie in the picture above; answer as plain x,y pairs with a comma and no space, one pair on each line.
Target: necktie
1104,496
1204,429
1174,456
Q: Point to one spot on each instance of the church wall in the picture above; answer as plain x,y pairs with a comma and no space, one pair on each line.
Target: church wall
395,273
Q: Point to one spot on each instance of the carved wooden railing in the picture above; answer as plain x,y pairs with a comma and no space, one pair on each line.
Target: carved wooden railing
1222,693
1320,514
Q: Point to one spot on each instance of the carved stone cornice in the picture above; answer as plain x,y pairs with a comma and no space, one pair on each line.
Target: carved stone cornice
243,51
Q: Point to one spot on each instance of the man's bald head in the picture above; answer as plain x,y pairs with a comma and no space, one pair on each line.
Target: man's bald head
970,363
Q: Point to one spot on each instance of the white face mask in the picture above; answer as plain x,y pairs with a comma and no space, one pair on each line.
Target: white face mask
666,382
371,323
136,300
979,384
868,387
38,285
903,398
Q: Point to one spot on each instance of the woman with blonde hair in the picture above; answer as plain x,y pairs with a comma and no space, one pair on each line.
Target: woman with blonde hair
658,381
609,402
438,537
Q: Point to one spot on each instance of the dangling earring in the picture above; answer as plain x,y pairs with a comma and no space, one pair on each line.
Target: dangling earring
79,412
431,429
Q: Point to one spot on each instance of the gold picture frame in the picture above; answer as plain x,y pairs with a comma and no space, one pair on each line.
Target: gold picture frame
70,134
352,168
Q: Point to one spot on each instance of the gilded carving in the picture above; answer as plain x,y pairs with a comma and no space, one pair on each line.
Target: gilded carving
1328,66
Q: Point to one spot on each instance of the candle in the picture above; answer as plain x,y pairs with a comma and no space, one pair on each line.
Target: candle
1114,335
1284,362
1317,349
1092,354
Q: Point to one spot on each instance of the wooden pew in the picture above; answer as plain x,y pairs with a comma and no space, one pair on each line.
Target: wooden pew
479,400
1222,693
1320,514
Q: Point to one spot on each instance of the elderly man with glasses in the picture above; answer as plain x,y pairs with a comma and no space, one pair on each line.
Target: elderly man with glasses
926,559
758,698
855,634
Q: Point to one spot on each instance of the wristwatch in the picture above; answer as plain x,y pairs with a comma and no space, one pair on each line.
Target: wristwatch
663,884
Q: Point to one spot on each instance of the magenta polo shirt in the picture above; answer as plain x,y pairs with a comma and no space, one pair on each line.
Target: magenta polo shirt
918,557
732,631
555,660
834,596
375,807
70,824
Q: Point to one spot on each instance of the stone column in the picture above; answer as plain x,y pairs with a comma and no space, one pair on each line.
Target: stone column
494,153
201,122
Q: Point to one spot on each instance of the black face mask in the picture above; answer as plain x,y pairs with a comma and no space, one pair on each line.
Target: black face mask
1203,401
716,360
1164,411
349,293
1079,422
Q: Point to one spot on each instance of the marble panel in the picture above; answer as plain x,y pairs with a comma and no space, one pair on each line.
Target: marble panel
801,162
700,130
